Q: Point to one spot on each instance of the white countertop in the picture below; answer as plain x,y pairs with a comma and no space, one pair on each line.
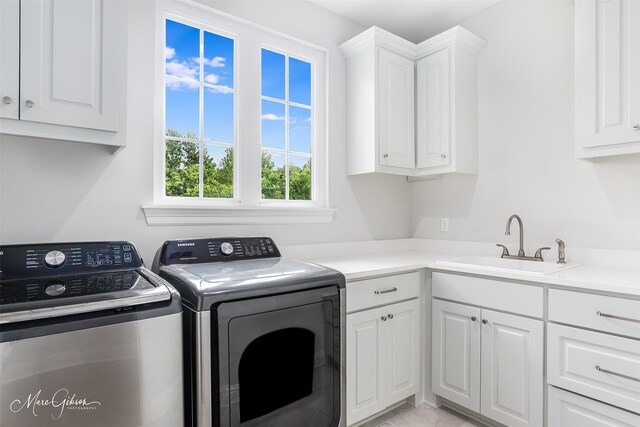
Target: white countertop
606,279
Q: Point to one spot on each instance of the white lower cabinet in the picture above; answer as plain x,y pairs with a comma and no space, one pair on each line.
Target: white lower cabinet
383,354
489,362
567,410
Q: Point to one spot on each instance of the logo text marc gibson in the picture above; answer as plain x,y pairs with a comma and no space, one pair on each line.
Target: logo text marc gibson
60,401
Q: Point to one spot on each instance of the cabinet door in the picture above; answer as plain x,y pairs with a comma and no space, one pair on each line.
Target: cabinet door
365,365
434,114
607,68
403,350
10,58
456,353
568,409
71,62
395,110
512,362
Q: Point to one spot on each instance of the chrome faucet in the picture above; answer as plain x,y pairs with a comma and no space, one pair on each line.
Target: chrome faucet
560,243
521,254
507,232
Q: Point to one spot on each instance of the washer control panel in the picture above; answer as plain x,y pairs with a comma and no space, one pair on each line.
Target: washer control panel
194,251
63,259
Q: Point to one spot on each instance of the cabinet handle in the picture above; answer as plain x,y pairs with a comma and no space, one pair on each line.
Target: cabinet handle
29,103
606,371
390,316
7,99
385,291
444,156
383,318
473,318
613,316
385,155
485,321
636,127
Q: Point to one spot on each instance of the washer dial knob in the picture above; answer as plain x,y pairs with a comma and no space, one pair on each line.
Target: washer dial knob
55,289
54,259
226,248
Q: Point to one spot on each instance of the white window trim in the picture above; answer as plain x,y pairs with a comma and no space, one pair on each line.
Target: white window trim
246,207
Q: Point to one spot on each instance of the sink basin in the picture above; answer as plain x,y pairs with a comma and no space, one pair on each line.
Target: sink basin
533,268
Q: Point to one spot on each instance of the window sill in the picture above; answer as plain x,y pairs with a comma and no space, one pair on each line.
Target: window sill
207,215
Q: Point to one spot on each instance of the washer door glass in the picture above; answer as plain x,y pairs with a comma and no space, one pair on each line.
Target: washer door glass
282,363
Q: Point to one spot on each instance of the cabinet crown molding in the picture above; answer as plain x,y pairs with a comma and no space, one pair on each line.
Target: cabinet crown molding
454,36
376,36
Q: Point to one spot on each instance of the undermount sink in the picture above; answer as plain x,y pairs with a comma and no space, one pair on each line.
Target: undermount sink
534,268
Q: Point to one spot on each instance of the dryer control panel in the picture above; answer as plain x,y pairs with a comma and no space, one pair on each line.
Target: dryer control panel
218,249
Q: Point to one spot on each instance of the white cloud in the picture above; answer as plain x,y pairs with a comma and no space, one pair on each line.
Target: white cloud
216,62
271,117
180,69
169,52
220,89
212,78
175,84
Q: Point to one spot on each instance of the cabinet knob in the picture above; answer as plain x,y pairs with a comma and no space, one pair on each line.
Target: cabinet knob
29,103
390,316
385,155
7,99
636,127
485,321
473,318
383,318
444,156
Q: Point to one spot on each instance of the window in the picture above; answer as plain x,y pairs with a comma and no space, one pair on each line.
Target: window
241,119
199,113
286,127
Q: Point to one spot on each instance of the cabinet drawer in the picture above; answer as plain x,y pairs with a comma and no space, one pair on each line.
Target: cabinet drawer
617,315
513,297
568,409
596,365
382,290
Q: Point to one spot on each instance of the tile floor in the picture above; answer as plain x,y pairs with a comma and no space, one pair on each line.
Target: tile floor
422,416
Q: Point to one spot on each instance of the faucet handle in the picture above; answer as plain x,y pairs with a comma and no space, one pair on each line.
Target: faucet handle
505,251
538,254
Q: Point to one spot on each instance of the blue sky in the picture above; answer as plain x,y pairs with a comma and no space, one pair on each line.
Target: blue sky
182,53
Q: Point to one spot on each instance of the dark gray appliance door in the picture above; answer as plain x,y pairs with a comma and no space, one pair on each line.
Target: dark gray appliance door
279,360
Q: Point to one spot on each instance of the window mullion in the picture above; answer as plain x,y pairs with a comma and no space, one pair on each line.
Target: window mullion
286,125
201,118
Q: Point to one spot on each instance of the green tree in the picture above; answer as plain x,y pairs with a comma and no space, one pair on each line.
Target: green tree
300,181
182,170
274,180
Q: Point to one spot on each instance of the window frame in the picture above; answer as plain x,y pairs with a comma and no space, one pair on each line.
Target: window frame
201,141
248,38
287,103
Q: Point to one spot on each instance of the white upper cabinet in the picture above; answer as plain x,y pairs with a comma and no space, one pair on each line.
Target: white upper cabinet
10,55
412,109
72,69
607,82
396,125
433,99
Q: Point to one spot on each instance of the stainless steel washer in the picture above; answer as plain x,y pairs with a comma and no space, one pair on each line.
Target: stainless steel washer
88,337
263,335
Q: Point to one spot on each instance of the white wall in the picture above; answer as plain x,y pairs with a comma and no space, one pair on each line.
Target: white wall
526,163
62,191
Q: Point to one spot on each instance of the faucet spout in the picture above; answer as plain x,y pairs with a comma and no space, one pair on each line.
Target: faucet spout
508,232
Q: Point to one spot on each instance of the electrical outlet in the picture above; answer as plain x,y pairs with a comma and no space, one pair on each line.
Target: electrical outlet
444,225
